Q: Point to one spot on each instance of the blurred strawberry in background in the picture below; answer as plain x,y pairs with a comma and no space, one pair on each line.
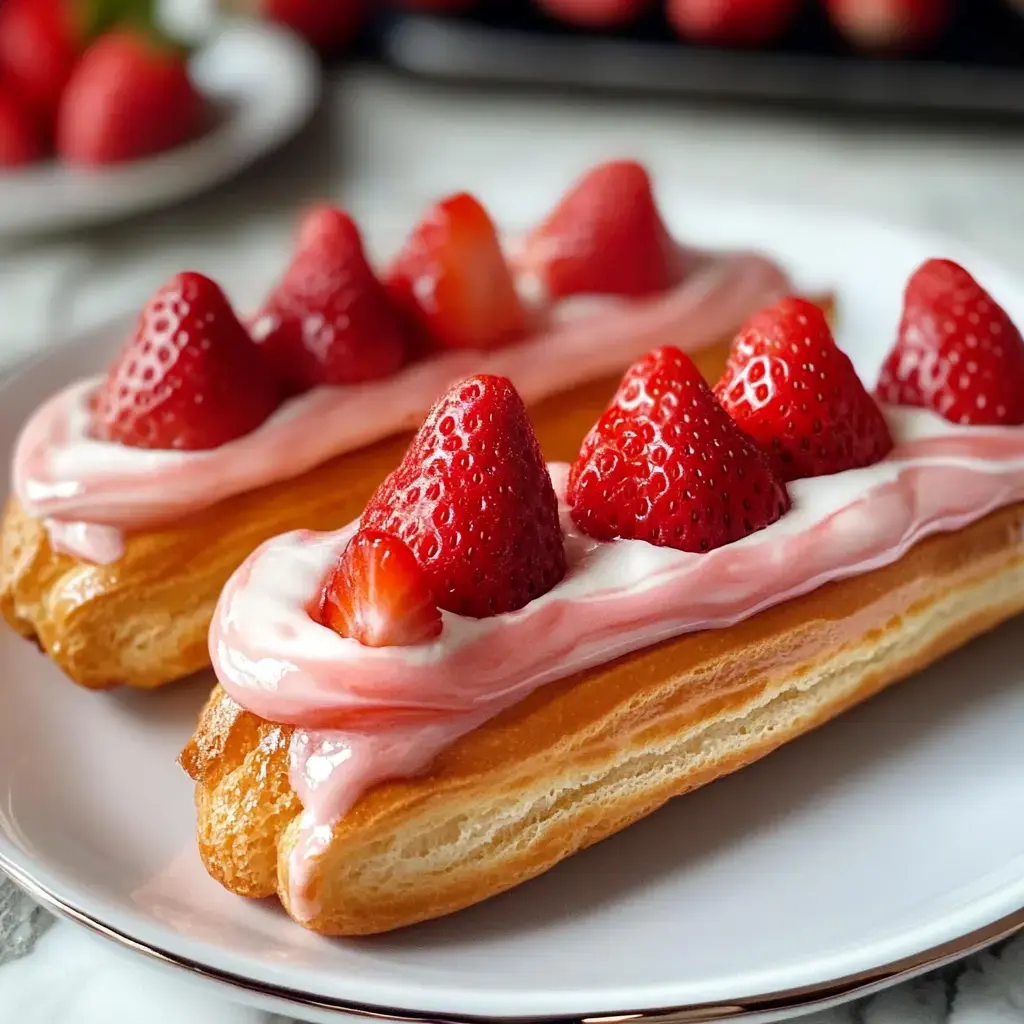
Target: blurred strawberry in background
129,96
40,41
731,22
327,25
595,13
894,25
95,79
19,140
877,26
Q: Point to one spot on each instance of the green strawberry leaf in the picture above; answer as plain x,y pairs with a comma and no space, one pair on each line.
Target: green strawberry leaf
94,17
99,16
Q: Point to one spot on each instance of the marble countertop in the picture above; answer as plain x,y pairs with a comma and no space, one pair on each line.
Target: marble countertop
379,138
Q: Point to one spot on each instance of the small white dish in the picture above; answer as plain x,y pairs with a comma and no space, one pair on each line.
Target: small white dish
885,843
262,83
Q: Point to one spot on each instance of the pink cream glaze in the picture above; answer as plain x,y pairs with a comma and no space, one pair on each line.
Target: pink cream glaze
368,715
91,492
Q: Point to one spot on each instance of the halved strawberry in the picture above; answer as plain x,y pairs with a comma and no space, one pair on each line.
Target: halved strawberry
665,464
473,500
377,594
791,388
605,237
452,281
957,351
329,321
188,378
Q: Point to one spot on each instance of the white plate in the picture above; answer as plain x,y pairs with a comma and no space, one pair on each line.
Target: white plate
256,111
882,844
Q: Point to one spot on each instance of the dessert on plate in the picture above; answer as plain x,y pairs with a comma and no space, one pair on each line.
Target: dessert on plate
502,662
137,493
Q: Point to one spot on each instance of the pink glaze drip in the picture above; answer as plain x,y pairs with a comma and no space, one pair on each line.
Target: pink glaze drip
368,715
64,476
92,542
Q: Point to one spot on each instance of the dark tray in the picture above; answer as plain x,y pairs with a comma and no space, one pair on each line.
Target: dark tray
977,68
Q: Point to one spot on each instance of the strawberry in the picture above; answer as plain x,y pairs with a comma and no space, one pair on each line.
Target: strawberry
40,41
19,142
130,96
595,13
791,389
957,352
452,281
377,594
731,22
188,378
605,237
473,500
894,25
329,321
326,25
665,464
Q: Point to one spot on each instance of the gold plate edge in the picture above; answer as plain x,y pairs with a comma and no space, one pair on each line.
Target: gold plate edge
792,1001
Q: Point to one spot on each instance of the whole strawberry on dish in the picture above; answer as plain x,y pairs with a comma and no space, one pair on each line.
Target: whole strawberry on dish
477,533
890,25
473,501
20,140
130,96
329,319
189,378
605,237
795,392
41,41
667,465
957,351
731,22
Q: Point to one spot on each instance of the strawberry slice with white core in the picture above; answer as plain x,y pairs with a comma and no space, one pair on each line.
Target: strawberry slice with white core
377,594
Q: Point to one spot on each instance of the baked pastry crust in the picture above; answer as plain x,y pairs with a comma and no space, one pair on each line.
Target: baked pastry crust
582,758
143,620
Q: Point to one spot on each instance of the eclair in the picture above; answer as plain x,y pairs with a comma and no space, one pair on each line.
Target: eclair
504,661
136,494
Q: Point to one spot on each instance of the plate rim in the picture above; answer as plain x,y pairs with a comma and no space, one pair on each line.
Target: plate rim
789,1002
803,999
